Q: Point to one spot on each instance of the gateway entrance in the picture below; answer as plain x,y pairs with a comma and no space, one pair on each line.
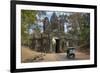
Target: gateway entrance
57,47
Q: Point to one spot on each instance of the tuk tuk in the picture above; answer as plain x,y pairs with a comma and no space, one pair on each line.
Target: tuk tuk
71,52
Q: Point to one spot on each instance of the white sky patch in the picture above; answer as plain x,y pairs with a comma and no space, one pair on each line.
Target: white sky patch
65,27
49,13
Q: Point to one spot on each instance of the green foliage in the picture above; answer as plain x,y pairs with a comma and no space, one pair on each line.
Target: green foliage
80,23
85,30
28,18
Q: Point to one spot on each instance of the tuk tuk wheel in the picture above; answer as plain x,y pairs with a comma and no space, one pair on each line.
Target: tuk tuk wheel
71,56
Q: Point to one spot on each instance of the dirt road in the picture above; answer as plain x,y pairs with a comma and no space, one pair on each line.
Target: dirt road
28,55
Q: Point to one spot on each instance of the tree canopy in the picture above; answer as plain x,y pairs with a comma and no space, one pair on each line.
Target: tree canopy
28,18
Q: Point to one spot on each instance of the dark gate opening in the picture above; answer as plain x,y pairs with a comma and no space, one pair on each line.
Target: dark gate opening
57,47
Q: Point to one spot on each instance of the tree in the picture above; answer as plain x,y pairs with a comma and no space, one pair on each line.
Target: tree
80,27
28,18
